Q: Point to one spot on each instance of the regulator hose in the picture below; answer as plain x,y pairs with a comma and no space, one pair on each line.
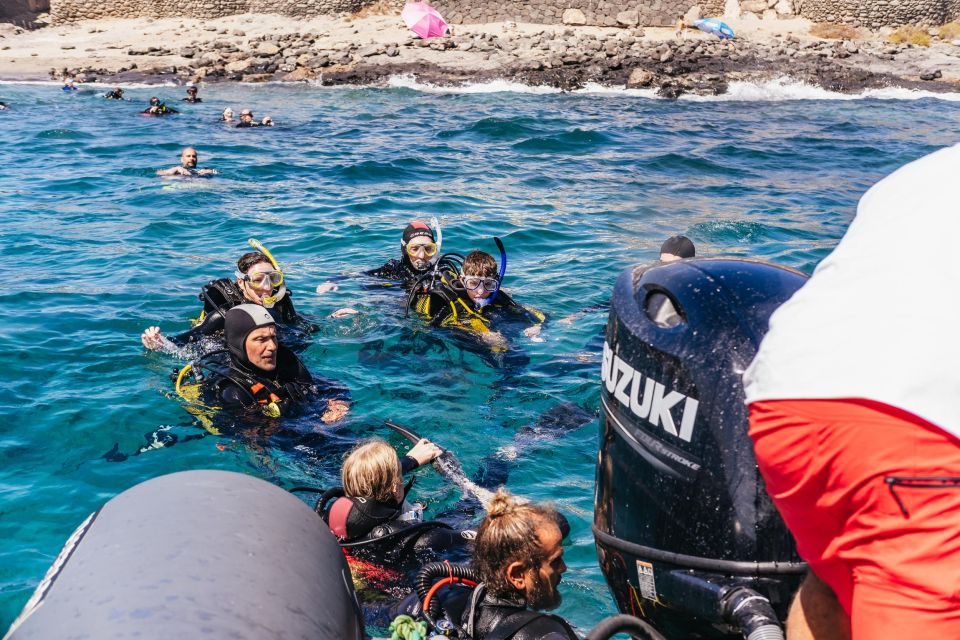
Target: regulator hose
752,614
623,623
423,584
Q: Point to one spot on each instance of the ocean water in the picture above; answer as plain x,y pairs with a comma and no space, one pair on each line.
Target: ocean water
579,186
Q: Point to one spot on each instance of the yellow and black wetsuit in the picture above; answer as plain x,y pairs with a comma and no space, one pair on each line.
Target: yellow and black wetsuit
448,305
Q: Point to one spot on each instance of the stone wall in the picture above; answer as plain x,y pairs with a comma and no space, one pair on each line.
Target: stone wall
880,13
594,12
867,13
72,10
11,9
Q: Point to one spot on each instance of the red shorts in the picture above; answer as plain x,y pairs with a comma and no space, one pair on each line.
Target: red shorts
844,475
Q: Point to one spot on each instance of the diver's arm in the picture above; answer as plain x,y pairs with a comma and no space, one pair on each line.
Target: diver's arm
390,270
174,171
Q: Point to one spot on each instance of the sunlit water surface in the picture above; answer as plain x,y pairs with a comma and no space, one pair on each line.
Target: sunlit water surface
95,248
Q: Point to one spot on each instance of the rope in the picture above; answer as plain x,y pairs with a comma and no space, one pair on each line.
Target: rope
404,627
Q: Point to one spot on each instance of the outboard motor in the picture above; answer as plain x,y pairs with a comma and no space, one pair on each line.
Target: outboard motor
687,537
209,554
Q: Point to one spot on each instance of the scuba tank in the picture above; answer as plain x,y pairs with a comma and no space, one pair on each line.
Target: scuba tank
210,554
687,537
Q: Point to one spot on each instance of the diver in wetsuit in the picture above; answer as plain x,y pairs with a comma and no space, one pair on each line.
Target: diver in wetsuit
258,280
158,108
475,302
519,559
372,504
419,251
115,94
263,376
191,95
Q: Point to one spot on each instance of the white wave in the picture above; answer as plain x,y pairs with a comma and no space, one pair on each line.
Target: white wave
408,81
775,90
782,89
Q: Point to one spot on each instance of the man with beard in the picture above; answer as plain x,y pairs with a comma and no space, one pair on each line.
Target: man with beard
519,557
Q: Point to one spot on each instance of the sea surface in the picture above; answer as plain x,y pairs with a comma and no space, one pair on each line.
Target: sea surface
579,186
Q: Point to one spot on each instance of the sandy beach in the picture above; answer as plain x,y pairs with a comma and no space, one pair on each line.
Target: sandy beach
369,49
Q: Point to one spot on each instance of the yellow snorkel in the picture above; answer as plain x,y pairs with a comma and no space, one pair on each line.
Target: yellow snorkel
281,291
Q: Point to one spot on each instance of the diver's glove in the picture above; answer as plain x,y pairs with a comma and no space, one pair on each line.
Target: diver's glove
404,627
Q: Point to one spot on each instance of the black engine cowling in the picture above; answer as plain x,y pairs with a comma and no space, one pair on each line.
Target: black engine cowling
682,520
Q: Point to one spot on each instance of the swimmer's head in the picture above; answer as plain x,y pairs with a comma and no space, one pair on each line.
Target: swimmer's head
677,248
372,471
227,114
154,101
192,91
480,277
188,158
418,245
246,115
251,336
256,276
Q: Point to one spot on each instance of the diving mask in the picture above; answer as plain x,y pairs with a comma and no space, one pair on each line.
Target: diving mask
472,283
427,249
261,279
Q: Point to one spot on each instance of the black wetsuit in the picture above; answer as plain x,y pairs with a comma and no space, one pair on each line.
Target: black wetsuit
367,514
242,389
400,270
245,125
164,110
219,296
192,100
113,95
501,619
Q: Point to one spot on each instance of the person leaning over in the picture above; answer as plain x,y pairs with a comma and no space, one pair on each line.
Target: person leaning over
854,405
519,558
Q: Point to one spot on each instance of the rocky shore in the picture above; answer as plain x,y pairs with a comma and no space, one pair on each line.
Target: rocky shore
372,49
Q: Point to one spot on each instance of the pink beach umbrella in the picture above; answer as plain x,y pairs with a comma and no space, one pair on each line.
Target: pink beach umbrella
424,20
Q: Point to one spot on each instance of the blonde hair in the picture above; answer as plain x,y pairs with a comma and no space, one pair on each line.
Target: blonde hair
371,470
509,534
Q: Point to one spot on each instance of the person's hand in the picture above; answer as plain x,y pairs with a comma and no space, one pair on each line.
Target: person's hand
336,410
327,286
425,451
534,332
152,338
344,313
207,172
183,171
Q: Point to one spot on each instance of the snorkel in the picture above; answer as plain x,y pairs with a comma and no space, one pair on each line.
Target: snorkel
438,232
281,291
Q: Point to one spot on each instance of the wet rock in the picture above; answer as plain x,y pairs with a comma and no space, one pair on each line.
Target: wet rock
257,77
299,75
932,75
640,78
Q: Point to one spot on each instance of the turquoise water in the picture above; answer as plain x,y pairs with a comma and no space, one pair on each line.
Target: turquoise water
579,186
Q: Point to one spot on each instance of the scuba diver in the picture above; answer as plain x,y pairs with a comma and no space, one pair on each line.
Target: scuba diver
158,108
69,85
259,280
115,94
191,95
474,301
419,255
260,375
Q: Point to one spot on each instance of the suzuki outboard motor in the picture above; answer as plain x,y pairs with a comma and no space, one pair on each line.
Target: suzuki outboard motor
197,554
687,538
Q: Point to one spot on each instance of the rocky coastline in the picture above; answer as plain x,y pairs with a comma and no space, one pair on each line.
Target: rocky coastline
370,50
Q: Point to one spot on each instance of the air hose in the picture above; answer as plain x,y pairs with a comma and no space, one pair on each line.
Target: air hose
752,614
449,574
623,623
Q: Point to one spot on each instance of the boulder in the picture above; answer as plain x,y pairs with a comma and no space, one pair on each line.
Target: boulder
370,50
784,7
850,46
573,17
238,66
640,78
299,75
268,49
933,75
257,77
754,6
187,52
628,18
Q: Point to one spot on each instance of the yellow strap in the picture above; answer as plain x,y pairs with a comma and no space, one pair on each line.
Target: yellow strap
199,319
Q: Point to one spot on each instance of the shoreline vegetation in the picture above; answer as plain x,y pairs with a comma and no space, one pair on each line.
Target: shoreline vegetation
368,48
